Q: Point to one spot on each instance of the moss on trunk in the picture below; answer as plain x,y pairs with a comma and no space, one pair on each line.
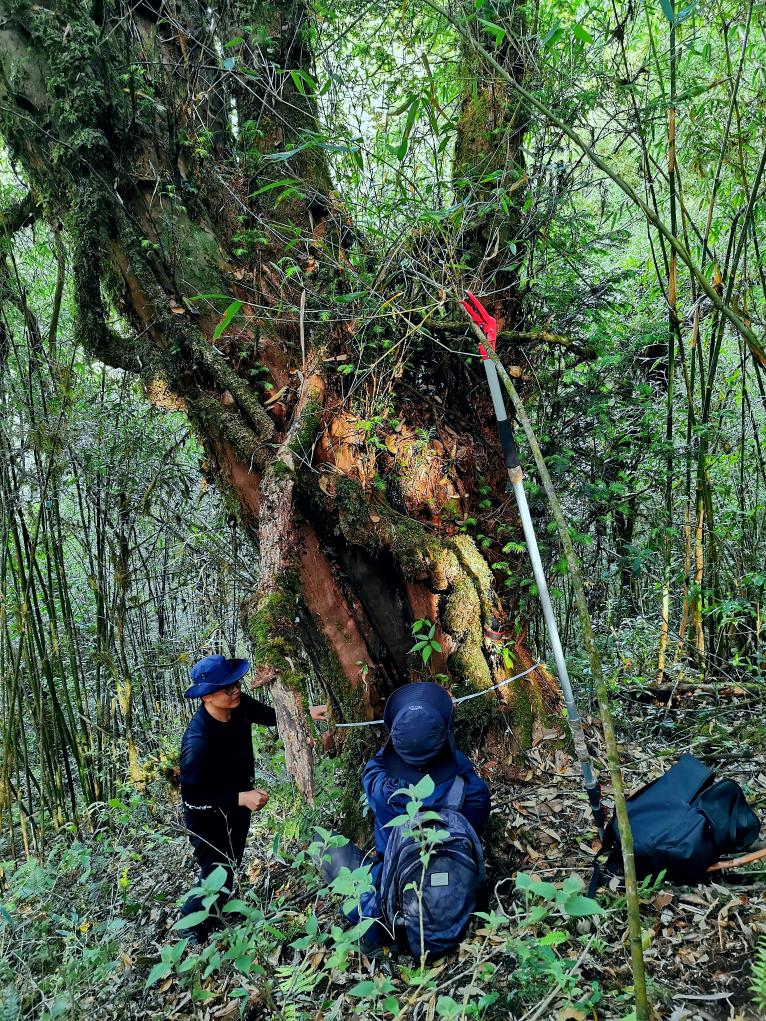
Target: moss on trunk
112,144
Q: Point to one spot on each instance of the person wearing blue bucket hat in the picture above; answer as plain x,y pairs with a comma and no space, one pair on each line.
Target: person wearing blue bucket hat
217,773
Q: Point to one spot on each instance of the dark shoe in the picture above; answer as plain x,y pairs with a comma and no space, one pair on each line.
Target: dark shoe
198,936
371,948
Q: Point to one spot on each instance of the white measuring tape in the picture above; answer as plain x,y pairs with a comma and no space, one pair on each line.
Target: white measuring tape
464,698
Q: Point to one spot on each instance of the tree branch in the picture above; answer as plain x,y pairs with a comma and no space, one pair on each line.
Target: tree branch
755,345
21,214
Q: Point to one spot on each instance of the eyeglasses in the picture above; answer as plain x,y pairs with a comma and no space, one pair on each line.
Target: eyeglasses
232,689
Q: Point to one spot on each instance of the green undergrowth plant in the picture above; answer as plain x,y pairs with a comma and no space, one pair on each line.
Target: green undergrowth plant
423,631
758,980
93,928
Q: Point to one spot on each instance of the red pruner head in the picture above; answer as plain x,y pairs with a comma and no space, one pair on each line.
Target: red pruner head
486,323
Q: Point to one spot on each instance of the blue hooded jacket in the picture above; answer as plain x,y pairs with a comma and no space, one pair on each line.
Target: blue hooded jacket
385,803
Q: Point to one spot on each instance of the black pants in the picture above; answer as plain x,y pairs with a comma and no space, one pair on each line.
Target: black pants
216,841
351,857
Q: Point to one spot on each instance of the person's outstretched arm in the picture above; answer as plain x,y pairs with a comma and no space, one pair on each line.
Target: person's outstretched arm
257,712
261,677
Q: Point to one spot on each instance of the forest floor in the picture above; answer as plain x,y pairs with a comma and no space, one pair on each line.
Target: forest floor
80,933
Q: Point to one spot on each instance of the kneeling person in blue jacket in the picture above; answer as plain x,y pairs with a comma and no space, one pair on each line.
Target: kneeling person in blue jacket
421,741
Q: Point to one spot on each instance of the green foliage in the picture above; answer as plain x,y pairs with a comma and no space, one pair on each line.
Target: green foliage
423,632
758,980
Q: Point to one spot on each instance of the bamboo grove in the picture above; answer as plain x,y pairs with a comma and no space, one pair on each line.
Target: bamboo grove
105,595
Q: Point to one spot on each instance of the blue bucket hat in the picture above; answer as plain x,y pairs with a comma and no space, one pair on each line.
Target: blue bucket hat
213,673
419,721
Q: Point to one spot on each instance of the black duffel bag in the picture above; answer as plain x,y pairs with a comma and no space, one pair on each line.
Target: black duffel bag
682,822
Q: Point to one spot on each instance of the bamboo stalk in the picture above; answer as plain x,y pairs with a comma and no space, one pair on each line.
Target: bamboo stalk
613,759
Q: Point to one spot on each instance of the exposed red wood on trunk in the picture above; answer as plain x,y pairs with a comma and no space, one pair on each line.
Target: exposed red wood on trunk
247,484
425,606
331,612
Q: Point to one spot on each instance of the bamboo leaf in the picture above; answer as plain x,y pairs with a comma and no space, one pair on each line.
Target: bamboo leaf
226,318
581,34
283,182
494,30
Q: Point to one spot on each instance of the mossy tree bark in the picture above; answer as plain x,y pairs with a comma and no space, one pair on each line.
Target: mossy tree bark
136,133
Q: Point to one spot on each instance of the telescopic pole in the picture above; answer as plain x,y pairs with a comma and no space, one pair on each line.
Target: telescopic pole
488,326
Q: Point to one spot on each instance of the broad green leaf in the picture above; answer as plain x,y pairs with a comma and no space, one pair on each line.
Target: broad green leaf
189,921
554,938
424,788
556,33
226,318
580,907
365,988
217,878
187,965
398,820
160,970
572,884
448,1008
237,905
175,953
581,34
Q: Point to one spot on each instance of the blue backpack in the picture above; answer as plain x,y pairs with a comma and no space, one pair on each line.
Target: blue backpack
450,882
682,822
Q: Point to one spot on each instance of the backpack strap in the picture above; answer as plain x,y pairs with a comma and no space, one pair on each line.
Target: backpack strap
456,794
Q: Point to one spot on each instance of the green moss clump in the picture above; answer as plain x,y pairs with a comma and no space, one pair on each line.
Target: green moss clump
273,630
474,564
415,549
212,416
308,427
353,511
279,469
461,615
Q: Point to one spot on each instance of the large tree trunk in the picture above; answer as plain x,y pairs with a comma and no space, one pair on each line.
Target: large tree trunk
133,132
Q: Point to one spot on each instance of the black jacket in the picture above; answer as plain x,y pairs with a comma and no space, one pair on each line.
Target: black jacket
217,759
